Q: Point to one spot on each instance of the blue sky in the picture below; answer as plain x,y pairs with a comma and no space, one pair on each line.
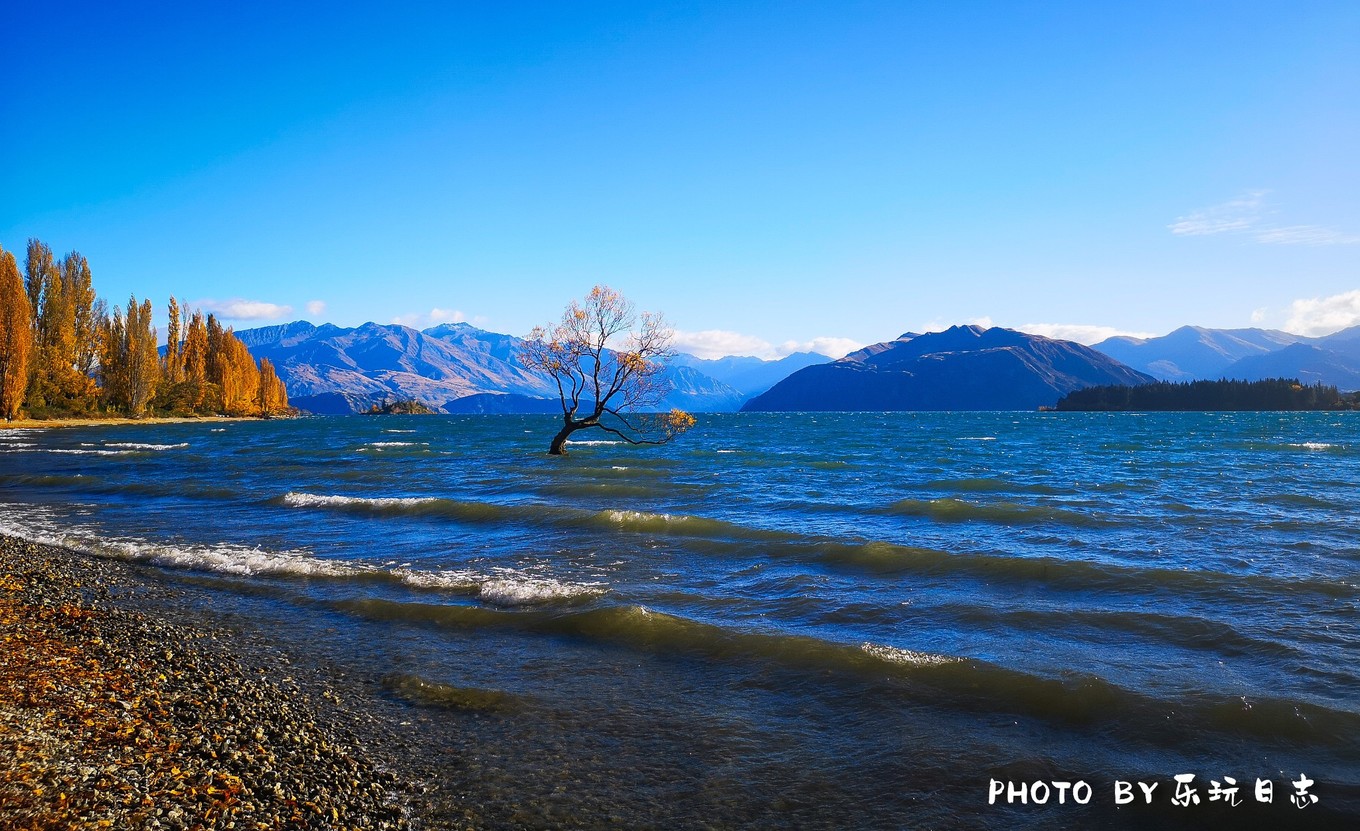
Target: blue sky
770,175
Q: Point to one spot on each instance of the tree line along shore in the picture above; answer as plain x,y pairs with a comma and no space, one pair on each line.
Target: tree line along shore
65,355
1282,394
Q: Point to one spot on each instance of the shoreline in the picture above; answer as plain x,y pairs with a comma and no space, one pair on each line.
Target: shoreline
150,714
42,424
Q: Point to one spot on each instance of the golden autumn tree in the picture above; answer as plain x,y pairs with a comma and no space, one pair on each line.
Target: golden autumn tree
607,362
272,396
232,369
129,361
195,360
86,312
16,336
173,362
66,330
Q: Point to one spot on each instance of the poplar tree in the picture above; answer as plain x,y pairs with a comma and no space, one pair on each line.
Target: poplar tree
129,363
196,360
143,360
16,336
174,350
237,375
273,397
39,268
78,285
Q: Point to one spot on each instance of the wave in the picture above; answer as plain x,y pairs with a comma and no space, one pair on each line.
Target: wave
421,691
397,444
1010,513
684,525
930,678
133,445
503,587
983,484
717,537
592,442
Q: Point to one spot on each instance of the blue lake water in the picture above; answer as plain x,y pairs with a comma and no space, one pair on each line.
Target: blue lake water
803,621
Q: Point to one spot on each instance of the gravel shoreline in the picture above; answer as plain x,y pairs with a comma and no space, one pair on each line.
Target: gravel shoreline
113,717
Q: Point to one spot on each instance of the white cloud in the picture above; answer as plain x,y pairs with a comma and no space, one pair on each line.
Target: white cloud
447,316
718,343
830,347
1080,332
238,309
434,317
1234,216
316,307
1245,214
1305,235
1324,315
1259,315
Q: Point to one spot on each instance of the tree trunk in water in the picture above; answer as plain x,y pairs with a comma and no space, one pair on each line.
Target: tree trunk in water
559,442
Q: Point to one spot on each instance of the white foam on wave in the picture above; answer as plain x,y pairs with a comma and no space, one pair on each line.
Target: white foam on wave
591,442
729,451
527,591
79,451
294,499
399,431
897,655
506,587
134,445
382,444
977,438
622,517
448,580
218,430
224,558
1314,445
17,444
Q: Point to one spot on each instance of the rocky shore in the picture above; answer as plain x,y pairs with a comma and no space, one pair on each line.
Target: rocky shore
114,717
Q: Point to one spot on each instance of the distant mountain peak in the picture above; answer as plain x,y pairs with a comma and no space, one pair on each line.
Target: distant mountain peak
965,367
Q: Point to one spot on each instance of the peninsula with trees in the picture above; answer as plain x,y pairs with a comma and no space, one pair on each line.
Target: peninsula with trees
64,355
1222,395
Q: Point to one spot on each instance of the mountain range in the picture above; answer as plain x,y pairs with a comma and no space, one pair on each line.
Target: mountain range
459,368
961,368
1195,353
454,367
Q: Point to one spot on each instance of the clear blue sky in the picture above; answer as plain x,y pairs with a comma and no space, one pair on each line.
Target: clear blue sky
763,173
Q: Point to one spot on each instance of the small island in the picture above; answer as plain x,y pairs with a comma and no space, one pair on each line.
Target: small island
405,406
1222,395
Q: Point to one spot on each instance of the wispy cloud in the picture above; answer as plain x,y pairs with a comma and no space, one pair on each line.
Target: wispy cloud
1234,216
1306,235
1324,315
1246,214
1081,332
316,308
238,309
717,343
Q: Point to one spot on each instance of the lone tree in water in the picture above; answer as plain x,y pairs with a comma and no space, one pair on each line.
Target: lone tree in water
607,363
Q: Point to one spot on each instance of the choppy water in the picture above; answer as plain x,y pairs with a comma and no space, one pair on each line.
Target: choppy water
799,621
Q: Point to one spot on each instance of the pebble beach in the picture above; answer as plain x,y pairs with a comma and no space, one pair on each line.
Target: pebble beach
112,717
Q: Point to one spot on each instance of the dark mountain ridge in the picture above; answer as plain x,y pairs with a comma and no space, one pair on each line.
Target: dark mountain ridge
961,368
